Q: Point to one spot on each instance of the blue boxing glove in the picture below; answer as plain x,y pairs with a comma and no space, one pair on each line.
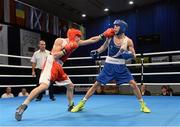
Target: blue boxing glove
127,55
95,54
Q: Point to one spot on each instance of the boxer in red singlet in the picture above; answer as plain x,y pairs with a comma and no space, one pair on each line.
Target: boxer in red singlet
53,71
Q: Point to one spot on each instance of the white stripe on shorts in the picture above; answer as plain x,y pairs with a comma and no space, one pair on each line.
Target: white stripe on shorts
46,73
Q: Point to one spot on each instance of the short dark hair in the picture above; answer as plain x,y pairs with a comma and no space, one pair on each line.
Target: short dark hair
164,86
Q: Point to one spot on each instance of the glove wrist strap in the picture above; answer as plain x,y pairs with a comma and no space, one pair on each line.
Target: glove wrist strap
102,36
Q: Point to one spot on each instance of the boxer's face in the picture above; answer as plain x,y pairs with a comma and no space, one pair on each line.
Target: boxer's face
116,28
77,38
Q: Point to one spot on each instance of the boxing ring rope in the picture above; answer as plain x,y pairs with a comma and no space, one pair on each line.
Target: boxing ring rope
94,75
15,56
25,85
96,66
161,53
14,66
90,84
78,58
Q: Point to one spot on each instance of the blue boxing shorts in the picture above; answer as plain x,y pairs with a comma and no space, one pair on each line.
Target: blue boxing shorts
118,72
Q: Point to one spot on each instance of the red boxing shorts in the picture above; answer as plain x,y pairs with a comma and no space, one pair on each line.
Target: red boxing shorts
53,71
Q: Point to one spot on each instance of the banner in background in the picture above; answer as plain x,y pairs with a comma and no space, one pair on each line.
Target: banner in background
138,59
20,14
175,58
81,89
24,15
29,44
1,10
160,59
55,25
9,11
3,43
63,28
36,19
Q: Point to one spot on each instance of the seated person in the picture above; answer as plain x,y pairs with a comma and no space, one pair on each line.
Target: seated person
8,93
170,90
99,90
144,91
23,92
164,91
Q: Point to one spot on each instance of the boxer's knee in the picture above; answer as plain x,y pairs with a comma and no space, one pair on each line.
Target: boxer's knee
70,86
96,85
133,84
43,86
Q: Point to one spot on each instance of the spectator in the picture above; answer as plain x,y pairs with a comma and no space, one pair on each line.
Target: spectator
99,90
164,91
8,93
144,90
98,63
170,90
23,92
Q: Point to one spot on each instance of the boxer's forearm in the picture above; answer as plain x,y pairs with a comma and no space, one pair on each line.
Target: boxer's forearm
89,41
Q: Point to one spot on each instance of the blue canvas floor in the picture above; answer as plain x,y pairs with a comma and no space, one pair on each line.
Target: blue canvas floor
100,110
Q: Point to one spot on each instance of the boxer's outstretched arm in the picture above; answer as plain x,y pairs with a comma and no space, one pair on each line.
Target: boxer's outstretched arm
109,33
89,41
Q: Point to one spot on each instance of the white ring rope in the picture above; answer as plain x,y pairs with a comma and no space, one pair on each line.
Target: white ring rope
17,76
160,53
137,74
14,66
78,58
24,85
74,67
161,63
97,66
94,75
15,56
90,84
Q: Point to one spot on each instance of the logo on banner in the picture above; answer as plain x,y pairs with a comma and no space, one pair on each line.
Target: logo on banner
35,19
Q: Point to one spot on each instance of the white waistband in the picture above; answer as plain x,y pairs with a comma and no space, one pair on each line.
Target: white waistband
114,60
60,61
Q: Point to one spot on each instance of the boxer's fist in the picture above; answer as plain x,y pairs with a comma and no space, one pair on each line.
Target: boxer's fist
108,33
127,55
95,54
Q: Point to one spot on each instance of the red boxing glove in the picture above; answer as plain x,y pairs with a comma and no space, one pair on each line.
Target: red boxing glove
109,33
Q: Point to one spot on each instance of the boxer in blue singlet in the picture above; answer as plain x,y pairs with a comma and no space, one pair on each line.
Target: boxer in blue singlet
120,49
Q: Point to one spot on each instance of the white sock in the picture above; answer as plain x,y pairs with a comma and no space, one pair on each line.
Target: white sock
141,100
71,103
84,99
